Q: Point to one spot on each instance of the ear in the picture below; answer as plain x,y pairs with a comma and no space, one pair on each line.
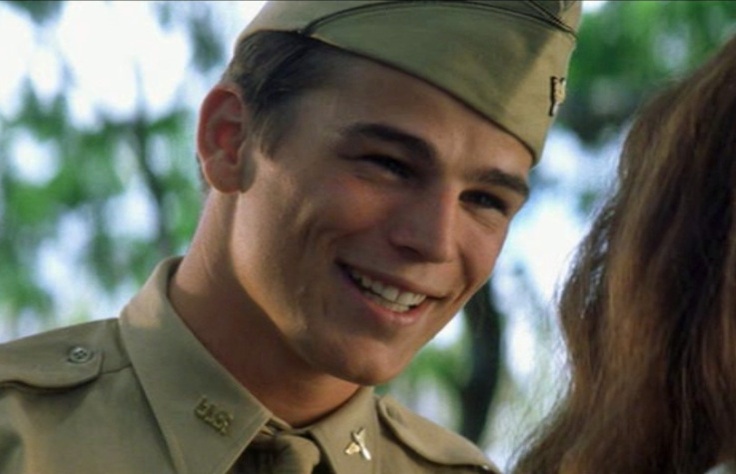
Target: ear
221,132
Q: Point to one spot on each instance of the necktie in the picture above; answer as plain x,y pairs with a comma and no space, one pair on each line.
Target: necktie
294,454
279,453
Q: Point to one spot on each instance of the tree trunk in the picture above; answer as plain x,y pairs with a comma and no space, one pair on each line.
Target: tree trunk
485,328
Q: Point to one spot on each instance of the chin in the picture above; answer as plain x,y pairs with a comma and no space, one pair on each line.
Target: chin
371,380
361,364
373,374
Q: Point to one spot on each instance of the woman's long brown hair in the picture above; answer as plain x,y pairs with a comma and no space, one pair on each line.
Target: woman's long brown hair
649,310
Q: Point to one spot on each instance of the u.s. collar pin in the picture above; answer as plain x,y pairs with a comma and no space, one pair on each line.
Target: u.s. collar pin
357,445
557,94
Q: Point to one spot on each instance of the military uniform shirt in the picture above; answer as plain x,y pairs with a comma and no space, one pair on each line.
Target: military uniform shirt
140,394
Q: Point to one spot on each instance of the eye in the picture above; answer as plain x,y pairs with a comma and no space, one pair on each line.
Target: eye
392,165
485,200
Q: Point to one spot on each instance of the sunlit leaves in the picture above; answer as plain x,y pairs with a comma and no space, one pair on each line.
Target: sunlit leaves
206,40
41,11
94,177
208,46
628,49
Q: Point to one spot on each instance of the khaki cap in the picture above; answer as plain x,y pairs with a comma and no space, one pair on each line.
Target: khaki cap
506,59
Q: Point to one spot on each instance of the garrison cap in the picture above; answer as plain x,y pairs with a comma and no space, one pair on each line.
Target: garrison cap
507,59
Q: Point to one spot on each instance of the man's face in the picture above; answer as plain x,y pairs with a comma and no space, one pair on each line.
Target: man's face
375,218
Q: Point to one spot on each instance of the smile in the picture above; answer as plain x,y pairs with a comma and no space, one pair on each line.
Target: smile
386,295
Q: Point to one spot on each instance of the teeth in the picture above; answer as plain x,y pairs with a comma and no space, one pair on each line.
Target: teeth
409,299
387,295
389,292
399,308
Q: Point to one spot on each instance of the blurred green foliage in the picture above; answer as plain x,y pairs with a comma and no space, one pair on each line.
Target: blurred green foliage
40,11
626,50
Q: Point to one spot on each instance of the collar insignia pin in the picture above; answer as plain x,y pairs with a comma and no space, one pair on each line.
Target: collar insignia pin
218,419
357,445
557,94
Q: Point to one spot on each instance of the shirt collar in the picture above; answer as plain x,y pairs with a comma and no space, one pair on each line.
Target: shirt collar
206,417
349,437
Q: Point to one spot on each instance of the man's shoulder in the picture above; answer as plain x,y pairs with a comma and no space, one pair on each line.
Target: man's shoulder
67,396
431,441
62,358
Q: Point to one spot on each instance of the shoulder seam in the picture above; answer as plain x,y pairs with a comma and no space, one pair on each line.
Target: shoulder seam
421,436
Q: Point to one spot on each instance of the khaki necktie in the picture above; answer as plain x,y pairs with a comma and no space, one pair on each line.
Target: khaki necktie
279,453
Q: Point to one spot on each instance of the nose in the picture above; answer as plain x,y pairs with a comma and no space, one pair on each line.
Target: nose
425,227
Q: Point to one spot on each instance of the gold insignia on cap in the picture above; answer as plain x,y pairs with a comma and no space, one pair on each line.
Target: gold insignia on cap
357,445
219,420
496,56
557,94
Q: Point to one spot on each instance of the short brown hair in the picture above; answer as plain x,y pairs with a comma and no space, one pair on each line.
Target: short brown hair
272,68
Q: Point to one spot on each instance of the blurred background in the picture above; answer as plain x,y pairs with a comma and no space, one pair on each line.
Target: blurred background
98,180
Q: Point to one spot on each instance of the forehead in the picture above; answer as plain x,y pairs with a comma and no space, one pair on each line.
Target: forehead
361,91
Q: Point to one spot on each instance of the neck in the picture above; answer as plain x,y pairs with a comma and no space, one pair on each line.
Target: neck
245,341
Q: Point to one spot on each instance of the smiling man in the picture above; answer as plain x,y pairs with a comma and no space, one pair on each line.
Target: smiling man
363,162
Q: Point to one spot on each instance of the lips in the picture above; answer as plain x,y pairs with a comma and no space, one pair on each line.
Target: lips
386,295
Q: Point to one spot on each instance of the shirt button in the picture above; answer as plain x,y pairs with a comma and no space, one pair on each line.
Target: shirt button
79,355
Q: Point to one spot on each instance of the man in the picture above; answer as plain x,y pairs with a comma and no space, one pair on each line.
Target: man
363,162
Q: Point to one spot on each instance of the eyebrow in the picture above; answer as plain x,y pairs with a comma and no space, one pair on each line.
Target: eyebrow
497,177
426,152
387,133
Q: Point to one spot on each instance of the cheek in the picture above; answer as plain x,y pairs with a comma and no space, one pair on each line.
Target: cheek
480,257
348,203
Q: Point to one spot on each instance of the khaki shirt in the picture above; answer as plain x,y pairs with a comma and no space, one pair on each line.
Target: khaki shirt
139,394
